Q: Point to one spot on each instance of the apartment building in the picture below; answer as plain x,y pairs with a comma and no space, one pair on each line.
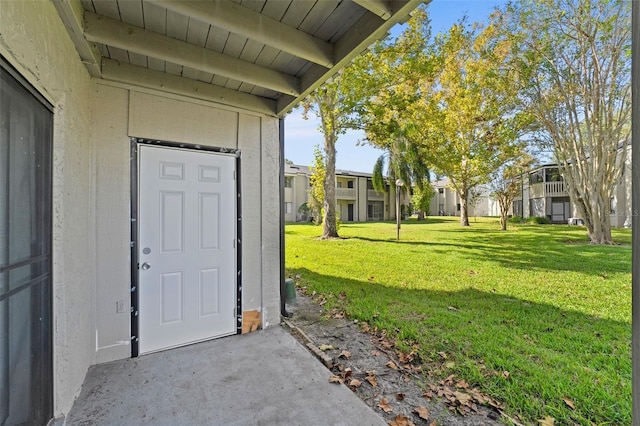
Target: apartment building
543,193
446,201
356,200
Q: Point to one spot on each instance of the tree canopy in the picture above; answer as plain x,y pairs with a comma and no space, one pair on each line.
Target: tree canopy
468,120
572,64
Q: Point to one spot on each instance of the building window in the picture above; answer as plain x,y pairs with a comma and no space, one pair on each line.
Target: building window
441,209
517,208
440,190
369,184
288,208
288,181
339,184
375,210
26,129
350,184
458,207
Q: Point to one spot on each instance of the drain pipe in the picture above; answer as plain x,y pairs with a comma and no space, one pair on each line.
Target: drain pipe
283,291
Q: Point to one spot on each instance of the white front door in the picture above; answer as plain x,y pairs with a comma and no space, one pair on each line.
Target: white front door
186,247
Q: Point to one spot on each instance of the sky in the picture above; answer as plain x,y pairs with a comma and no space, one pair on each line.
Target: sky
302,135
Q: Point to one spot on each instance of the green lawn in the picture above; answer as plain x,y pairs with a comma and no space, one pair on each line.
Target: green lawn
535,301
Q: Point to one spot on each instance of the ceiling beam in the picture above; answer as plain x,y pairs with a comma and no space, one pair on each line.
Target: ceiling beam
363,34
114,33
382,8
240,20
71,12
132,75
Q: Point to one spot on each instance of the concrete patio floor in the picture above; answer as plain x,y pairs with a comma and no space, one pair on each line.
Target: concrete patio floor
263,378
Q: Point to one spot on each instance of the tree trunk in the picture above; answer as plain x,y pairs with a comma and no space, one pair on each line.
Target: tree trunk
420,215
503,220
595,213
464,214
329,229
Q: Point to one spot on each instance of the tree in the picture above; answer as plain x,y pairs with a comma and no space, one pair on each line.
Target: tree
468,118
506,184
421,198
573,62
392,71
335,104
316,185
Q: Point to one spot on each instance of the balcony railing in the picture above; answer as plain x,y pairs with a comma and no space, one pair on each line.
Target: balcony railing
547,189
555,189
372,194
346,193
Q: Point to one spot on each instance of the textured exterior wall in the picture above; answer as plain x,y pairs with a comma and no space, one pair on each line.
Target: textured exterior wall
35,42
122,113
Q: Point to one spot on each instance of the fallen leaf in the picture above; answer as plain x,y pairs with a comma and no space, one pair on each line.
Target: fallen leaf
547,421
372,380
463,398
392,365
377,353
443,355
345,355
355,383
401,420
386,344
372,278
449,380
422,412
326,347
405,358
339,315
569,403
505,374
400,396
342,295
384,405
462,384
433,423
453,308
428,394
346,373
365,327
336,379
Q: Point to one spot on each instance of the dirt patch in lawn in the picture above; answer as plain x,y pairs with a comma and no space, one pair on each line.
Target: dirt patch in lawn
390,382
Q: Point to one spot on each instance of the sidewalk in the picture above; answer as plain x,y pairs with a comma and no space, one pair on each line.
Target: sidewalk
263,378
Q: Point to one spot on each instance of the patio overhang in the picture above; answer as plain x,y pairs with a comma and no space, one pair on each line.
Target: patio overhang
260,55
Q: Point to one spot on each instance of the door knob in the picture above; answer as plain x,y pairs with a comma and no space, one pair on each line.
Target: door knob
145,266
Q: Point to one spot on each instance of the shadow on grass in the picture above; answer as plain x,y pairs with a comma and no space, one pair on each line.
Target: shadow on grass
548,352
539,249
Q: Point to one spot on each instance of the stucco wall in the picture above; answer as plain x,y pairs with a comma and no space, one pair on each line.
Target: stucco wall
121,113
35,42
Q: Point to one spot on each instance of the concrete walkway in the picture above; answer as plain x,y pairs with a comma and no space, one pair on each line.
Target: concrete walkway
263,378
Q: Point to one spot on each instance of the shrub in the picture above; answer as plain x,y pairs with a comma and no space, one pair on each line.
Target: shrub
539,220
516,219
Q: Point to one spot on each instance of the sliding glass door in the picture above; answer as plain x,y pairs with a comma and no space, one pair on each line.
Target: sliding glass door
26,123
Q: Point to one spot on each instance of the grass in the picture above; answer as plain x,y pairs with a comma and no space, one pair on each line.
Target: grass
536,301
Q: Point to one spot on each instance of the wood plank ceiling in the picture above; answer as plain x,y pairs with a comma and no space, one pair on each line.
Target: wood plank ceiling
260,55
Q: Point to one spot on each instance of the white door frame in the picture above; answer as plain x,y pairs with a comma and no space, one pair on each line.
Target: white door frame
134,144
